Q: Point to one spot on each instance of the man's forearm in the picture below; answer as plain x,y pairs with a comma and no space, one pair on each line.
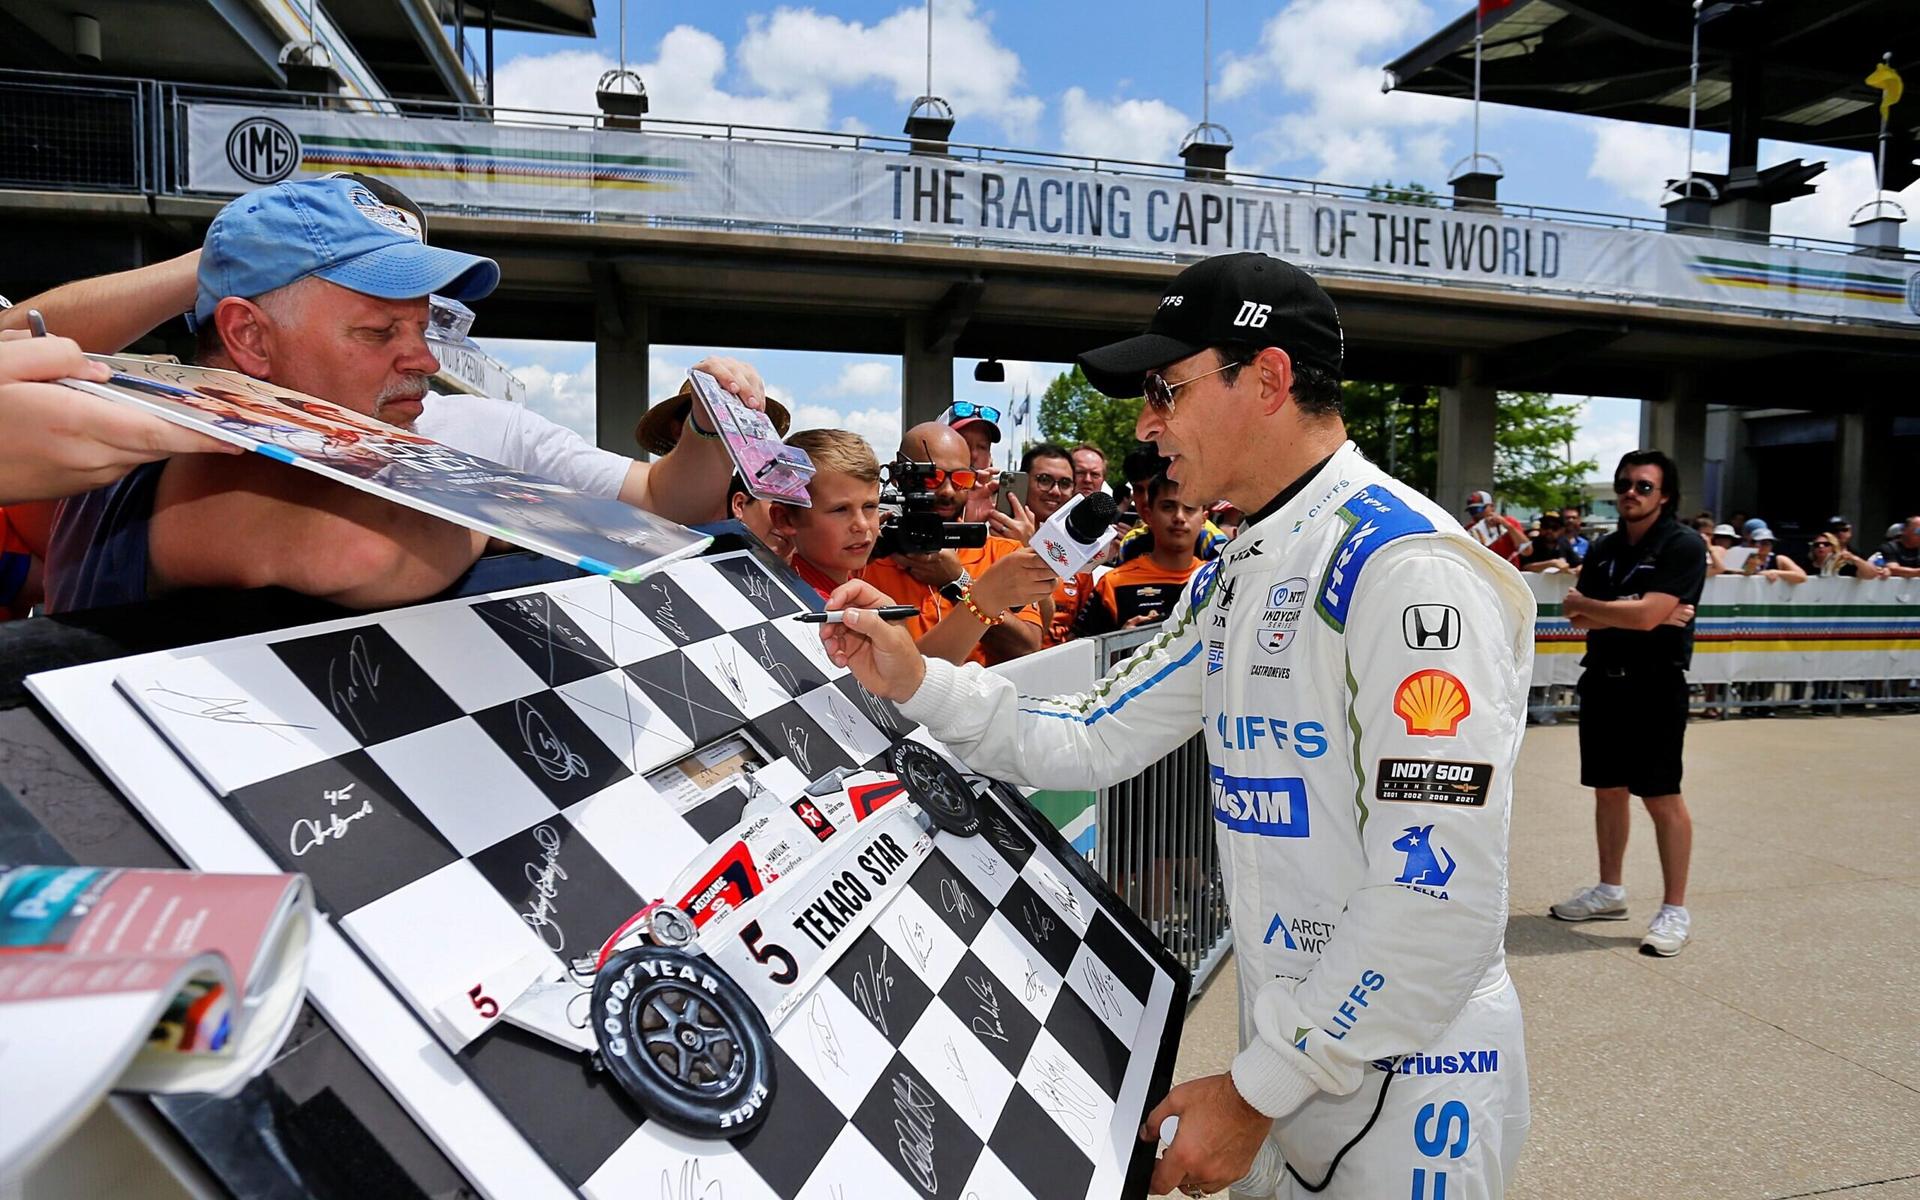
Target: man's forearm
107,313
1621,614
954,638
1012,638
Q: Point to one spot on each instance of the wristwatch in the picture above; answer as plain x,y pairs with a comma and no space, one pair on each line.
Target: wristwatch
950,592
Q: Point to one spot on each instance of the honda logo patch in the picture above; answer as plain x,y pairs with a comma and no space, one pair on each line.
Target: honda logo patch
1431,626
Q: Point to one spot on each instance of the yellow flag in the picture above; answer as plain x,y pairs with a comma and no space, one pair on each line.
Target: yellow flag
1887,80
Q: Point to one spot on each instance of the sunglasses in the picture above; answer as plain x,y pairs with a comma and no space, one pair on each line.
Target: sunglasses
1159,392
1623,485
963,478
963,409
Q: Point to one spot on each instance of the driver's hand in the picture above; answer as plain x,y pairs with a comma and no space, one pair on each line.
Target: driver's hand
880,654
935,570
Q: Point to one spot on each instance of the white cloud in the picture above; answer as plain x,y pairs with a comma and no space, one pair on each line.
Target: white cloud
1328,52
798,52
1635,161
1140,130
866,379
683,83
566,397
880,425
1609,427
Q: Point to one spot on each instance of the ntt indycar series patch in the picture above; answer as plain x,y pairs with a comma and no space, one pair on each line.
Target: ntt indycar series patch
779,947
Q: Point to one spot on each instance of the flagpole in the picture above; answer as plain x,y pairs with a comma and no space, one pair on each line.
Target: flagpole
1479,36
1880,153
1693,102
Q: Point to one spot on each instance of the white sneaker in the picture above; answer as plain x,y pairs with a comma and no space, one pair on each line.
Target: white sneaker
1593,904
1668,933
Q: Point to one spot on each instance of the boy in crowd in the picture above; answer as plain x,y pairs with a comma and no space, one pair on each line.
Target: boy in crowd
830,542
1144,589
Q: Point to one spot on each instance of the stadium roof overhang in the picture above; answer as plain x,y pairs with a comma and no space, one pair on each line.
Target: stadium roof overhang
1789,70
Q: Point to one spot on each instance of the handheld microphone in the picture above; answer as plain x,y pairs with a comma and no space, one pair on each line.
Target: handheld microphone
1076,534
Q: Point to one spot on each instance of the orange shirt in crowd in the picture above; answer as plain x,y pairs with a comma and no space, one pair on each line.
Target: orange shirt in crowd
1069,597
1133,589
905,589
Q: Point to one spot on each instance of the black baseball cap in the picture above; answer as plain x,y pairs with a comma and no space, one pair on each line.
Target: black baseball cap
1252,298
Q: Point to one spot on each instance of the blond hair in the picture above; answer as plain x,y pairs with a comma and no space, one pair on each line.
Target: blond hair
839,450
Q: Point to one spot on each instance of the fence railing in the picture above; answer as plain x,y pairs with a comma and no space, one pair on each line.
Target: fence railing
1150,837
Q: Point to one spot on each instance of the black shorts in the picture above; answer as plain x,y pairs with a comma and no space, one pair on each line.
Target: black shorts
1632,730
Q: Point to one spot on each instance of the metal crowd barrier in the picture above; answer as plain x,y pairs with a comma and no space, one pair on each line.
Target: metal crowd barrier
1152,834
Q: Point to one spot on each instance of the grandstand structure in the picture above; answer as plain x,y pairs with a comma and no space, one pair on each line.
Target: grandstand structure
630,231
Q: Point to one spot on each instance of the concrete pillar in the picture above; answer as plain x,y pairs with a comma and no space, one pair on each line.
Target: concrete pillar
926,377
1677,424
620,381
1865,448
1466,439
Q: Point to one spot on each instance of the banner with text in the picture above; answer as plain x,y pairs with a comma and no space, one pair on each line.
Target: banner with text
535,170
1760,630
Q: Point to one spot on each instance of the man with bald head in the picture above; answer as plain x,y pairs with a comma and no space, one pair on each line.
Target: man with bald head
963,583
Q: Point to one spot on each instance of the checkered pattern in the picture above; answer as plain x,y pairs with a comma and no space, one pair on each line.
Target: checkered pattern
468,787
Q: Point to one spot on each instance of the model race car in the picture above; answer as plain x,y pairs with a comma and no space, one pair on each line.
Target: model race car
685,994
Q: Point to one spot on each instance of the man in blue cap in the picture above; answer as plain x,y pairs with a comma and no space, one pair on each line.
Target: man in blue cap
322,287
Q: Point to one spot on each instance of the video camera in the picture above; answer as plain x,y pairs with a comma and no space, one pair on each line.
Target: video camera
908,488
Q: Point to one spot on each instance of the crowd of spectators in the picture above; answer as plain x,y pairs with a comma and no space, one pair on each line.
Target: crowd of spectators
324,286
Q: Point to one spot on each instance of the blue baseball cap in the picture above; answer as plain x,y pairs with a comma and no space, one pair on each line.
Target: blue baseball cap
1751,524
336,229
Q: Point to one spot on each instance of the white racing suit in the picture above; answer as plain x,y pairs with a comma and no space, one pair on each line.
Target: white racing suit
1360,668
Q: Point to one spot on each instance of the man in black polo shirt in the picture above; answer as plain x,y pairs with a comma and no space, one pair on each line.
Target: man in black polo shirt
1635,599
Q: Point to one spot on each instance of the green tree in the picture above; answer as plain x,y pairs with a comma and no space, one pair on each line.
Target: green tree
1398,427
1409,193
1074,411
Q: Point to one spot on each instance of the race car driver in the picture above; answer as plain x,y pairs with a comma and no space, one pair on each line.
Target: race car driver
1359,666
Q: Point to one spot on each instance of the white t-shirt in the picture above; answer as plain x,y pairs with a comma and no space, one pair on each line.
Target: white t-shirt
511,435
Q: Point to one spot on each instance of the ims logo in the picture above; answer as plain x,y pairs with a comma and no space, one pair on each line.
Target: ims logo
262,150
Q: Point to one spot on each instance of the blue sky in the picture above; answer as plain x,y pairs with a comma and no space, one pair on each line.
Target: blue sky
1296,84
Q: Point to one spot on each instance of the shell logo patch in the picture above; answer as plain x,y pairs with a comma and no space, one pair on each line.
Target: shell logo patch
1432,703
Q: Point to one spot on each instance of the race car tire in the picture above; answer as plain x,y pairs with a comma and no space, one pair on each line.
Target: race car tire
932,783
684,1041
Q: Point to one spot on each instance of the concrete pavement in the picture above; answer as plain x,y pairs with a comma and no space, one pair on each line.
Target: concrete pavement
1779,1055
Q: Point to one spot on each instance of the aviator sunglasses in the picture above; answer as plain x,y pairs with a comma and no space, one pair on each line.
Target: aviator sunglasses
1624,485
1159,392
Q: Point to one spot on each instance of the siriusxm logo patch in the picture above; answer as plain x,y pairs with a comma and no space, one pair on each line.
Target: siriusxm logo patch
1261,806
1464,1062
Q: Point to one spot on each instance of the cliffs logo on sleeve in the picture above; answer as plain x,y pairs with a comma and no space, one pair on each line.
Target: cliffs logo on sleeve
1431,626
1432,703
1281,619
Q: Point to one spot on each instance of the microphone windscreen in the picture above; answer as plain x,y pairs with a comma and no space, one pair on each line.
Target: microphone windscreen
1090,518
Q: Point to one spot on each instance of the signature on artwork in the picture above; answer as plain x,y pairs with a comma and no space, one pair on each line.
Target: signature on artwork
919,942
796,736
877,709
361,682
310,832
1039,922
1061,1094
663,614
987,1022
222,710
1106,996
954,899
825,1038
759,589
553,756
545,876
690,1185
781,672
1003,836
959,1071
1037,987
872,989
914,1116
730,672
844,718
